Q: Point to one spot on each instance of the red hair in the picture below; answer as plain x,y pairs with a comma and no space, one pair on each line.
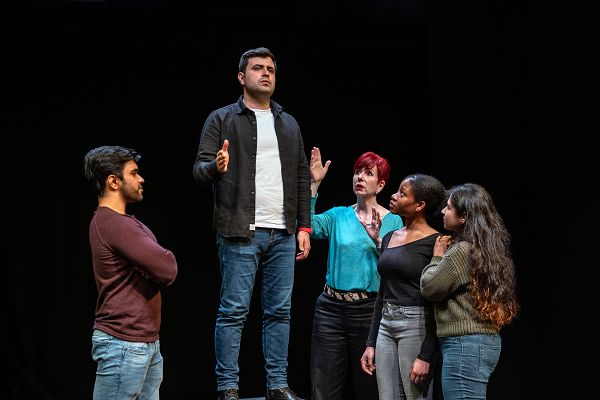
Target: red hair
369,160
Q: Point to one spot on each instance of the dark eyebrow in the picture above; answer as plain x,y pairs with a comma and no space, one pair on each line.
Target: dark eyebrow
263,66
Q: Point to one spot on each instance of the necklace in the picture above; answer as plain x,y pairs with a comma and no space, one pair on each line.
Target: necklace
355,207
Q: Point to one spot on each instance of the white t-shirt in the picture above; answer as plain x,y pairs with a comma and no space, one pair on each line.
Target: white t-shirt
268,180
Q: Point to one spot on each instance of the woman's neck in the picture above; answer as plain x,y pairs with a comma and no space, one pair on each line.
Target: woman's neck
364,208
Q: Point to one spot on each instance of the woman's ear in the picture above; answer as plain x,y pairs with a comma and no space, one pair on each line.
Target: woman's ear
380,186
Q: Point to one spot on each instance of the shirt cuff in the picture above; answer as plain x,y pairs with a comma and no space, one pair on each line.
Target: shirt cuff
304,229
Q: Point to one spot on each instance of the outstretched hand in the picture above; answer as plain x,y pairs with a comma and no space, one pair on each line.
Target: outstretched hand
317,169
223,157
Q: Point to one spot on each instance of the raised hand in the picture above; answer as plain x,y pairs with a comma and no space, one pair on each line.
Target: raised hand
317,169
374,228
223,157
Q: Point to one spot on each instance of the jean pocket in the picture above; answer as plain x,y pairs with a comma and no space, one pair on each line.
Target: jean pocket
101,338
413,312
488,358
137,348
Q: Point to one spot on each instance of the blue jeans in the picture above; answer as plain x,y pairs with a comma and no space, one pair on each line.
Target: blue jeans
275,251
468,362
401,333
340,330
126,370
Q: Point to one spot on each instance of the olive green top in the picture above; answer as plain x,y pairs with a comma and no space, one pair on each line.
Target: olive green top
446,282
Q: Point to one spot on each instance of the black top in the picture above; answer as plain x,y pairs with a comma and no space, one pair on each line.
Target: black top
400,269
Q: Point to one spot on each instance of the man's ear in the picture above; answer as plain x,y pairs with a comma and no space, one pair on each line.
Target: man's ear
112,182
241,78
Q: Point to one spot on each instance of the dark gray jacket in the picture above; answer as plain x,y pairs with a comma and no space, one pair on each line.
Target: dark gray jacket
234,191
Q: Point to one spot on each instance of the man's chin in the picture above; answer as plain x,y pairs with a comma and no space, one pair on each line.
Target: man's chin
266,89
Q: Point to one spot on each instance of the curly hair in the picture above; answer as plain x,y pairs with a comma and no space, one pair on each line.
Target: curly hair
492,267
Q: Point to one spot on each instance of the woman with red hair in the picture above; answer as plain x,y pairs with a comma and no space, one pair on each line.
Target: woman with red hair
344,310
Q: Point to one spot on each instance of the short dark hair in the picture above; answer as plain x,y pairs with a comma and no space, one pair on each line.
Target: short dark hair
258,52
429,189
101,162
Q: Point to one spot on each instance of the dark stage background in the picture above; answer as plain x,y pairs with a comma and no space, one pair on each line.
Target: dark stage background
461,90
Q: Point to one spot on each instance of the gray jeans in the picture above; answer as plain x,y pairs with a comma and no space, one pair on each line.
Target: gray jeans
401,333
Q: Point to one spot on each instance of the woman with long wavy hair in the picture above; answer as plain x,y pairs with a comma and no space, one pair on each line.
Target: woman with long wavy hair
471,280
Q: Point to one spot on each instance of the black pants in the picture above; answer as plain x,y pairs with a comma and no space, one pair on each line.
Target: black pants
340,330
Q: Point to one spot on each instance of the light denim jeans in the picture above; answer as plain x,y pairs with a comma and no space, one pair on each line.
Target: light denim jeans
126,370
401,333
275,251
468,362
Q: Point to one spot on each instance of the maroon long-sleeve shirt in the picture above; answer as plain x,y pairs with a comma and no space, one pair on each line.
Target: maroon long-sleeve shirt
130,269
